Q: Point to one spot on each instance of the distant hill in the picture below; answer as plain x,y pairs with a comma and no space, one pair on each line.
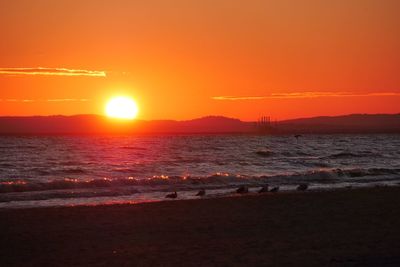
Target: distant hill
210,124
91,124
95,124
354,123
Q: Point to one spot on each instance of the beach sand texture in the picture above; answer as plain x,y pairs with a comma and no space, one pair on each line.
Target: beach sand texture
339,228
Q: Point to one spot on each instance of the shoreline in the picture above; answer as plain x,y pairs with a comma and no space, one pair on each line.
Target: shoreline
183,195
336,228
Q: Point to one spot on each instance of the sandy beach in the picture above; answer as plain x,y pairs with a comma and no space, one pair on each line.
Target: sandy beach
339,228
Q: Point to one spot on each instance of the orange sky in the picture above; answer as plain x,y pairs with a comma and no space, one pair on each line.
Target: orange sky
184,59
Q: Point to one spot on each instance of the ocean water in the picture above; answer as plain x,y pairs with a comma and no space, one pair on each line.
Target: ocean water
38,171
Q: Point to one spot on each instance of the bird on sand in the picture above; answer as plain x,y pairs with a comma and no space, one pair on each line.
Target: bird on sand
297,136
172,195
242,190
264,189
201,193
302,187
275,189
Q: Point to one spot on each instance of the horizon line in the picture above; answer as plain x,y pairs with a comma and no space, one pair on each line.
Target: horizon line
196,118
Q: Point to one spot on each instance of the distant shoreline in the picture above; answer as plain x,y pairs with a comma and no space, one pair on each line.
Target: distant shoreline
180,134
95,124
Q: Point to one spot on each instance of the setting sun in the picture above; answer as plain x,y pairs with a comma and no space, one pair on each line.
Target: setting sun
122,108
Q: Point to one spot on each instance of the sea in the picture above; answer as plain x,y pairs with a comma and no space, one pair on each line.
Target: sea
47,171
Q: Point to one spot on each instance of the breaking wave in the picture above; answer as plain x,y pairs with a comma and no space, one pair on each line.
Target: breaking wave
218,179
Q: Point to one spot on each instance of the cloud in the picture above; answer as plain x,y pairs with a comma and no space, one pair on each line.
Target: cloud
51,72
238,97
46,100
304,95
68,100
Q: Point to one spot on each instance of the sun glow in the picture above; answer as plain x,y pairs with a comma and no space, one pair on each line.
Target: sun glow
122,108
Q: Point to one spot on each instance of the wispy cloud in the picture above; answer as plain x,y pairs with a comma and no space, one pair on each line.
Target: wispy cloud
17,100
68,100
304,95
51,72
46,100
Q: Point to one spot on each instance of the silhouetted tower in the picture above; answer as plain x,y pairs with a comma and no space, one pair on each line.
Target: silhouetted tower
264,124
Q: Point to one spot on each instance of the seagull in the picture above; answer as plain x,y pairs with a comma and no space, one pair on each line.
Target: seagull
264,189
201,193
275,189
302,187
172,195
297,136
242,190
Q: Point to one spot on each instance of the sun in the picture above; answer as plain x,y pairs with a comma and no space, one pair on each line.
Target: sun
122,107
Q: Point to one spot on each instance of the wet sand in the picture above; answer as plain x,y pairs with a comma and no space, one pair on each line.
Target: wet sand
341,228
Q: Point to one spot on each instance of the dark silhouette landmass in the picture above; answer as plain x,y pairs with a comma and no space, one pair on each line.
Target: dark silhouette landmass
354,123
96,124
87,124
